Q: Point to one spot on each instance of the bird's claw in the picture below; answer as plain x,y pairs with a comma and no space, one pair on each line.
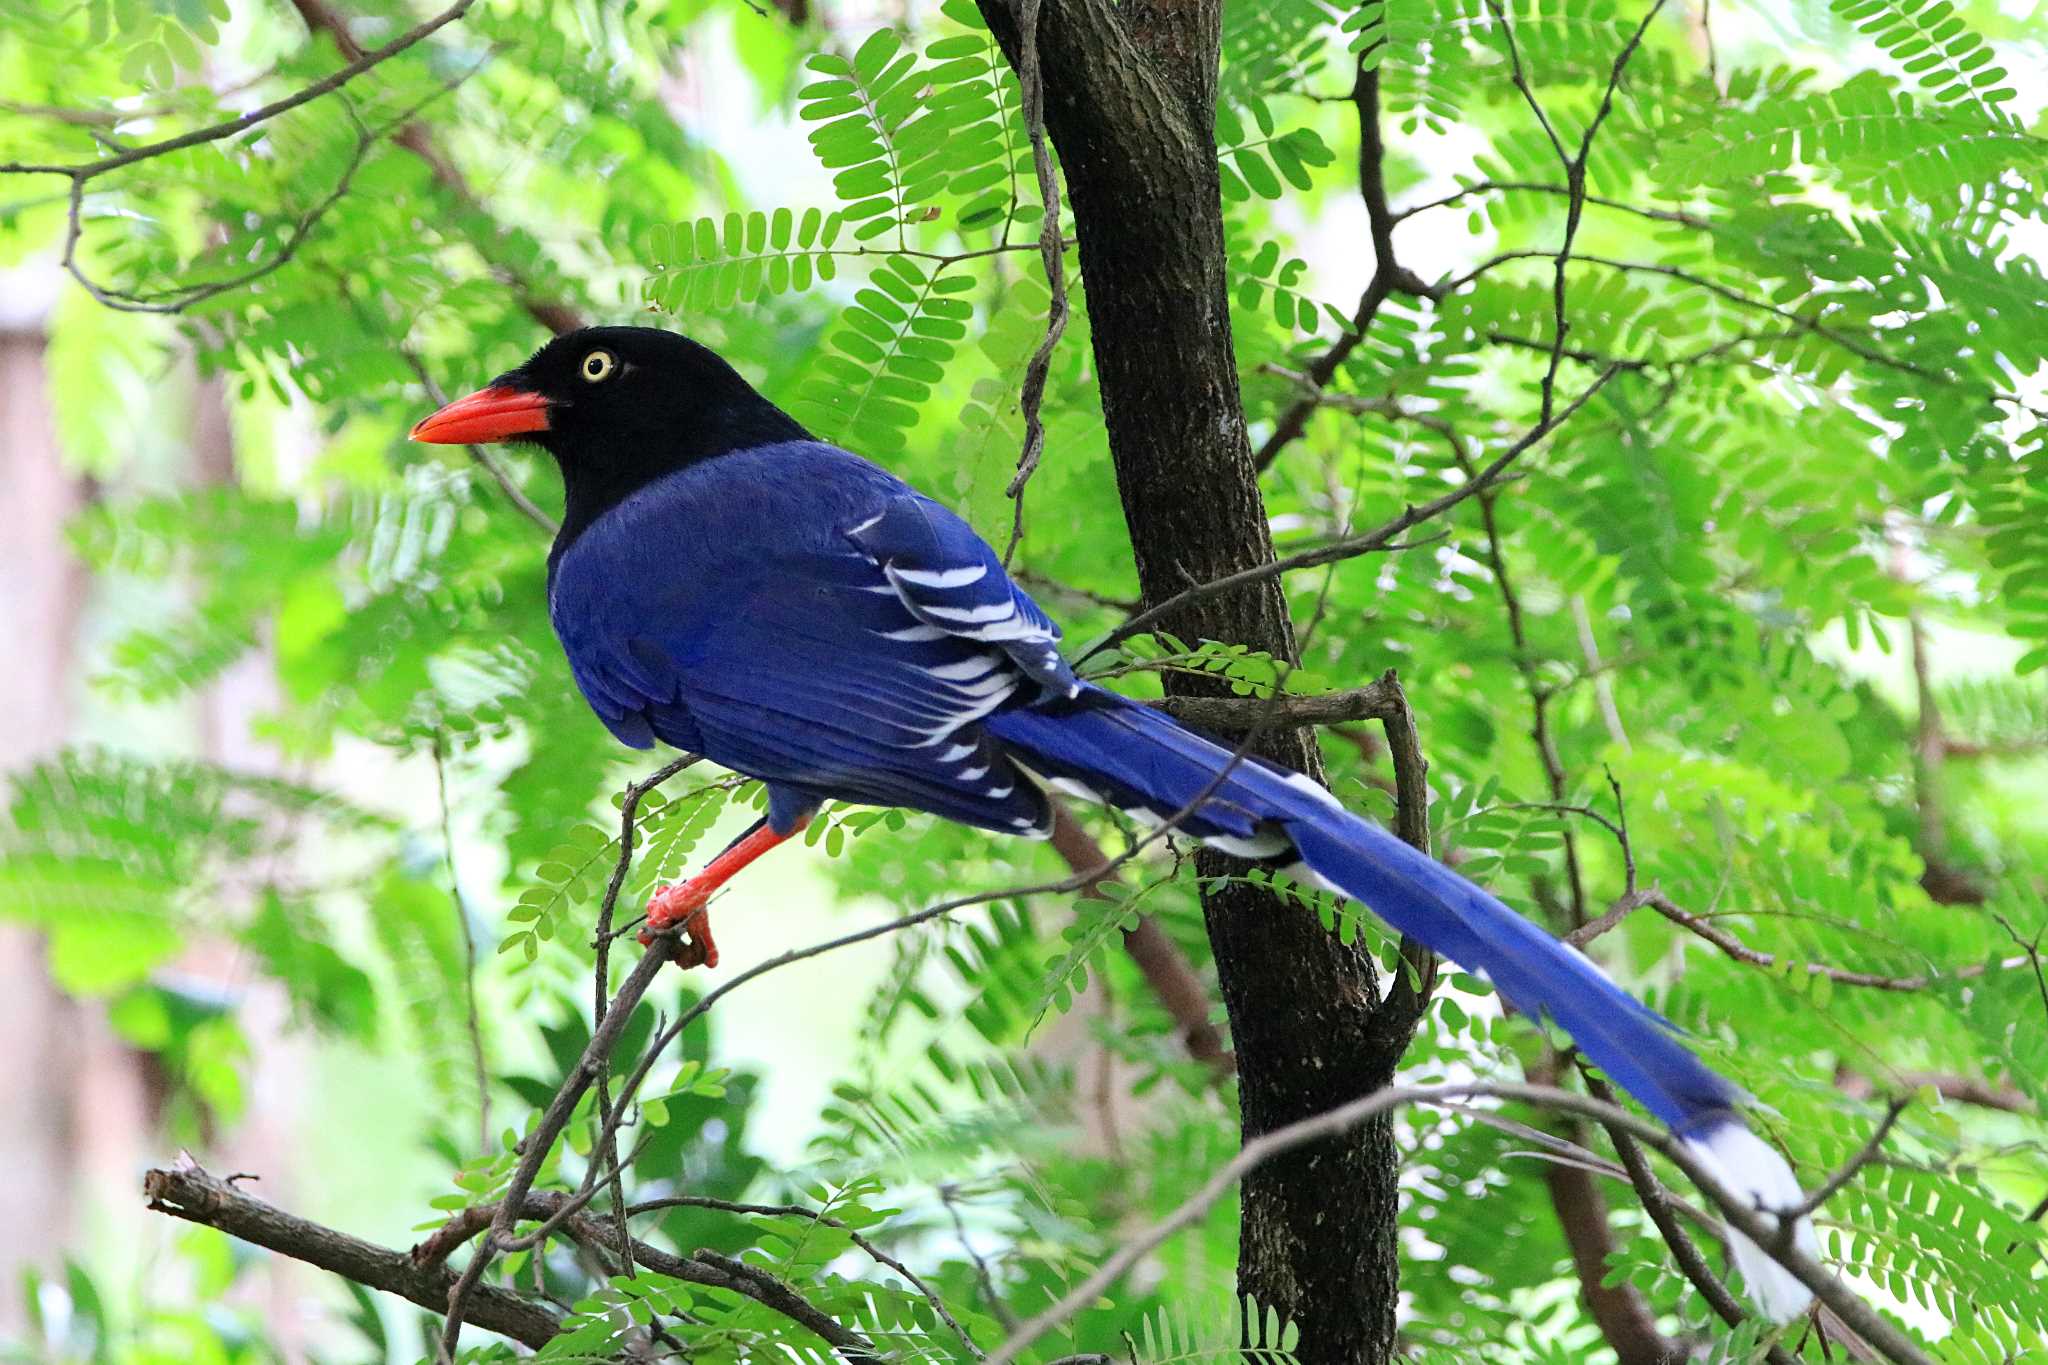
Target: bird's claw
685,910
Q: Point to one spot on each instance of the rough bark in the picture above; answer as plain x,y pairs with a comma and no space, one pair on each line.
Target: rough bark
1129,93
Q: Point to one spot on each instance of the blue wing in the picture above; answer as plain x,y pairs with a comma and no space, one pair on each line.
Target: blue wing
853,662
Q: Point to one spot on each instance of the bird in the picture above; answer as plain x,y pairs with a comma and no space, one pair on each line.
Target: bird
728,584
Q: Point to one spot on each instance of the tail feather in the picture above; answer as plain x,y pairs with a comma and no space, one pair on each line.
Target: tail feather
1140,760
1748,1165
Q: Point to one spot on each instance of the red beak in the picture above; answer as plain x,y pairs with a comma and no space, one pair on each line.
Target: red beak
494,414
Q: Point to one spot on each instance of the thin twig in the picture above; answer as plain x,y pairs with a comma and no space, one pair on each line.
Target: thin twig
474,1022
705,1268
1564,808
179,298
778,1295
983,1276
1677,216
1521,80
1864,1156
1350,548
1655,899
1972,1090
1409,995
1575,184
77,118
600,984
482,458
478,456
1619,1310
1733,295
874,1253
243,122
1603,686
2032,950
185,297
1540,688
418,138
1389,276
538,1143
108,118
1031,79
1628,853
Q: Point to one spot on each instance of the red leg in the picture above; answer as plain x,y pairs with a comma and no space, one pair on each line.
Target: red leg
688,903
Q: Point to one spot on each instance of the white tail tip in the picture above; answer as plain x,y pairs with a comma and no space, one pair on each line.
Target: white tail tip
1751,1167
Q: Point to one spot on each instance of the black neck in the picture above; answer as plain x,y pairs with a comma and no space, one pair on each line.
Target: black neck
598,476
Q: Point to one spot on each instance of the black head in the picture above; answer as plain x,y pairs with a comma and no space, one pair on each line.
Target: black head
617,407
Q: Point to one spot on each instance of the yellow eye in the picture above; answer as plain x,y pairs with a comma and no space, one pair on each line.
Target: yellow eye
598,366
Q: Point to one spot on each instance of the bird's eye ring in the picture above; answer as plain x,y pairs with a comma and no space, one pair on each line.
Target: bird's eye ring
598,366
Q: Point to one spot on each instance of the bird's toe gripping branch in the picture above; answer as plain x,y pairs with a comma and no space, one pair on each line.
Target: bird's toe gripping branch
685,909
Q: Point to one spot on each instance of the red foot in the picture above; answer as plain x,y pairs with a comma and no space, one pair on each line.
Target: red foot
686,905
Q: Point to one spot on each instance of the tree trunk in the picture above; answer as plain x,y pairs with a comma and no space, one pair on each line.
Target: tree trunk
1129,104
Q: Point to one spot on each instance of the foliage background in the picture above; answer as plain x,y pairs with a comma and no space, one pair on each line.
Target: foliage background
1779,591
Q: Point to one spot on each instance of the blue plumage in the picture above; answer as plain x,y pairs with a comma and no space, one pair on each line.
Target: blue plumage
880,654
728,585
1123,749
853,662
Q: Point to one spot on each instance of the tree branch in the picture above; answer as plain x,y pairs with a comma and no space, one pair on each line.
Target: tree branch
1961,1089
482,458
1526,664
472,1021
185,1191
537,1144
1822,1192
1735,296
1409,994
185,297
1623,1316
1378,700
179,298
601,950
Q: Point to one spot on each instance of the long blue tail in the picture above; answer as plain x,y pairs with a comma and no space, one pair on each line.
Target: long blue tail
1103,747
